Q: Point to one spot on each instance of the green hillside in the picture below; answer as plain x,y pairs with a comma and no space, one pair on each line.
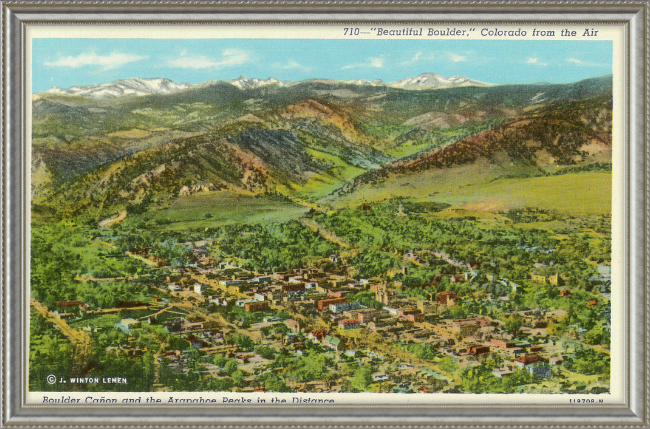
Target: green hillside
507,166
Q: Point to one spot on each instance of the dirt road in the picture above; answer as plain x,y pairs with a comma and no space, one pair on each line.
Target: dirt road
80,340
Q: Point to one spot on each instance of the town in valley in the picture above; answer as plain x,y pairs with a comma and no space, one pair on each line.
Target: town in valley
427,235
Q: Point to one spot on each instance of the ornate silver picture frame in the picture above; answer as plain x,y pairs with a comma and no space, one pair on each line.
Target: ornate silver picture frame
151,196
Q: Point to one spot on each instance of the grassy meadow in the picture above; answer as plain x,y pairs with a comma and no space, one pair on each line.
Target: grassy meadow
212,209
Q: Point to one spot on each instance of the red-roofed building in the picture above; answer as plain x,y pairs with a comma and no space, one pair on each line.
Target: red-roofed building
317,335
324,304
478,350
526,360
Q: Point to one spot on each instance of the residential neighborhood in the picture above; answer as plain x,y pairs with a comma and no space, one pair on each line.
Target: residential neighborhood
319,328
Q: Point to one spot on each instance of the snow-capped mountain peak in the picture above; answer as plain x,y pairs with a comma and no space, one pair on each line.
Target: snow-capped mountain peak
433,81
242,82
376,82
134,86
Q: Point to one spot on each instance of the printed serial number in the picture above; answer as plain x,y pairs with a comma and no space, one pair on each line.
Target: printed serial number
586,401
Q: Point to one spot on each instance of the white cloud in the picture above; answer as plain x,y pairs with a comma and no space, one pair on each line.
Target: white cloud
293,65
585,63
420,56
106,62
373,62
535,61
229,58
458,58
377,62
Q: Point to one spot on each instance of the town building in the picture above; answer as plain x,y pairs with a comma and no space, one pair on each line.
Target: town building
502,343
349,324
539,369
524,361
317,336
477,350
200,288
412,316
324,304
363,316
332,342
344,306
256,306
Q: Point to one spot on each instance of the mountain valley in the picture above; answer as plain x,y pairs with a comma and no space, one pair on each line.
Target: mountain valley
318,143
254,235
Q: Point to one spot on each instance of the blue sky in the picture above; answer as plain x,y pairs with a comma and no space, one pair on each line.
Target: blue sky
69,62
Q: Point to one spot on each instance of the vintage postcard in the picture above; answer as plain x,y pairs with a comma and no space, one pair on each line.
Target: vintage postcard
326,214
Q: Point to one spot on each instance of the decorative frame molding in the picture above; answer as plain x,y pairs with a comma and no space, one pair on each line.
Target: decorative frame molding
17,15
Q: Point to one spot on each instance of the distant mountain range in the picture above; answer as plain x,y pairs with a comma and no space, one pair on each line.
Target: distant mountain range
135,86
316,142
138,86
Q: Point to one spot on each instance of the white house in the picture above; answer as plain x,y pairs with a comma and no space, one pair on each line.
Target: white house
200,288
540,369
391,310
